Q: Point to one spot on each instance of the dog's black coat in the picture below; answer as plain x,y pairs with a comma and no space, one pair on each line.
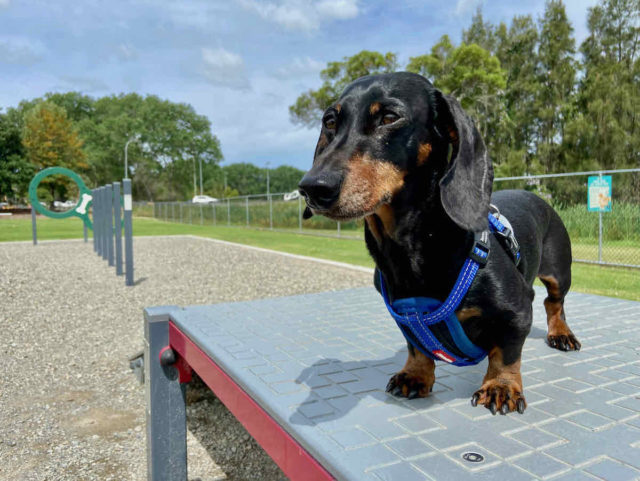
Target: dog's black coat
443,200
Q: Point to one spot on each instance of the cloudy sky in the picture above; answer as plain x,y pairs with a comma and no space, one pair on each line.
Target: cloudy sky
239,62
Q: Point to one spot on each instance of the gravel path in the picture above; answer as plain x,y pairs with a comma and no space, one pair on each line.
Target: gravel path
70,408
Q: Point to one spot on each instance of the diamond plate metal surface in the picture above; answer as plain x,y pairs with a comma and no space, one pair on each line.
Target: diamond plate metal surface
319,364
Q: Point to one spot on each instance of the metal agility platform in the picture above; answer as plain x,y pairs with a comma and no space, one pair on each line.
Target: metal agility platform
306,376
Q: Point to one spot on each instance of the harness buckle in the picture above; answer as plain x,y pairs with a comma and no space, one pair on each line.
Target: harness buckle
480,250
510,243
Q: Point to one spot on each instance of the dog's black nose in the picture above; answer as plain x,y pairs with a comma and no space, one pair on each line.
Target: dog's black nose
321,190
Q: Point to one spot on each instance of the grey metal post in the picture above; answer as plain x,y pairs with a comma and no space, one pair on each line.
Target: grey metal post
173,211
247,205
600,231
228,212
99,220
105,228
300,213
338,228
85,233
128,232
166,211
166,413
215,221
180,212
201,218
109,217
96,220
190,218
117,222
270,213
93,219
34,229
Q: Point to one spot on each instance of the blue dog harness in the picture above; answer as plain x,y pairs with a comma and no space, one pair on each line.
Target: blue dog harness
432,326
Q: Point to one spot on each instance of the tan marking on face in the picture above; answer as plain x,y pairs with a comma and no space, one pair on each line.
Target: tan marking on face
374,108
322,142
367,185
423,152
468,313
373,228
338,108
385,213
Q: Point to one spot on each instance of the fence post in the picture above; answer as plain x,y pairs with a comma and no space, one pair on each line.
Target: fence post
128,232
96,221
228,212
190,213
247,205
300,213
600,230
213,208
173,211
201,219
85,233
105,232
109,218
117,222
34,229
270,213
180,212
338,228
93,218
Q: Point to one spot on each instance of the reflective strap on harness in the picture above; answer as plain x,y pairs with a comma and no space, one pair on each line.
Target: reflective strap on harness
417,316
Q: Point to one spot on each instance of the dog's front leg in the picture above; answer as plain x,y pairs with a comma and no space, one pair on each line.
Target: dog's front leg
416,377
501,389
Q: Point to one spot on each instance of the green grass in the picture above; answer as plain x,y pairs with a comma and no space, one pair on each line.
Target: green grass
606,281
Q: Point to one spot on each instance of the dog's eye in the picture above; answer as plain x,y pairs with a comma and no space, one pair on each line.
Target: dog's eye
329,123
389,118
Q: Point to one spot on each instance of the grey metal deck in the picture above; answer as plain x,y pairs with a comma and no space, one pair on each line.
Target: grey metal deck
319,363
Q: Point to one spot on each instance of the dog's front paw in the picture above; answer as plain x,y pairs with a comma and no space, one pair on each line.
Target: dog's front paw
564,342
405,384
500,396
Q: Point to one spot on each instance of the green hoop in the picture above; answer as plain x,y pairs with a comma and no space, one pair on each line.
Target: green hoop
81,209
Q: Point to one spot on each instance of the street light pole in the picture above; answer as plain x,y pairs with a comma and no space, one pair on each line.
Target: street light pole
126,147
268,178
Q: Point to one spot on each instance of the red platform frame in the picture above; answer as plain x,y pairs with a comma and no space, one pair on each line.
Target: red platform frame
294,460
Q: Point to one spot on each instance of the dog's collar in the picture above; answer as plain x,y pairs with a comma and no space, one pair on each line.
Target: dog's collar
432,326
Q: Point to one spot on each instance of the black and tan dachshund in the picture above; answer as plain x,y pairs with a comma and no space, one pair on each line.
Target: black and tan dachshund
397,152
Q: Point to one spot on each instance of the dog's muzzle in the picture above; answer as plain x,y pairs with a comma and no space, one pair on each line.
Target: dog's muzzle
321,190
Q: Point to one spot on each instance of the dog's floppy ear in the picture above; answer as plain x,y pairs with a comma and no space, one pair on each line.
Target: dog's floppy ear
465,188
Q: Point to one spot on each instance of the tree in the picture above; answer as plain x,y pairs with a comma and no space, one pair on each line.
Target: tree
15,170
516,50
308,107
556,76
50,140
474,76
606,130
481,33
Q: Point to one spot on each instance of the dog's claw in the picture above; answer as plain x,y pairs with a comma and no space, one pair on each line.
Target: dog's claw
397,391
474,399
493,408
413,394
504,409
520,406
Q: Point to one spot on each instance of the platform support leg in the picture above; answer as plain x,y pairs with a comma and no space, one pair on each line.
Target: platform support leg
166,407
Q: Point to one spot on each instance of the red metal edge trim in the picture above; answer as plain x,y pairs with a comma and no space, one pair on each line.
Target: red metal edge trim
292,458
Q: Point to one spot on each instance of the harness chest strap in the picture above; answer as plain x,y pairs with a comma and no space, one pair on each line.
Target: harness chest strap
432,326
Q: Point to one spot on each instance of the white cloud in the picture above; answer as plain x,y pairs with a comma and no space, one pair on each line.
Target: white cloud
298,67
82,84
303,15
126,51
224,68
465,6
19,50
4,3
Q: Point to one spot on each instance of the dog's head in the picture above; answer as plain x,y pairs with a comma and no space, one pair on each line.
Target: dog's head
387,131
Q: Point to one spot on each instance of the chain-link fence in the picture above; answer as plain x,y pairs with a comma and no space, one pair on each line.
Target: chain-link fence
611,238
